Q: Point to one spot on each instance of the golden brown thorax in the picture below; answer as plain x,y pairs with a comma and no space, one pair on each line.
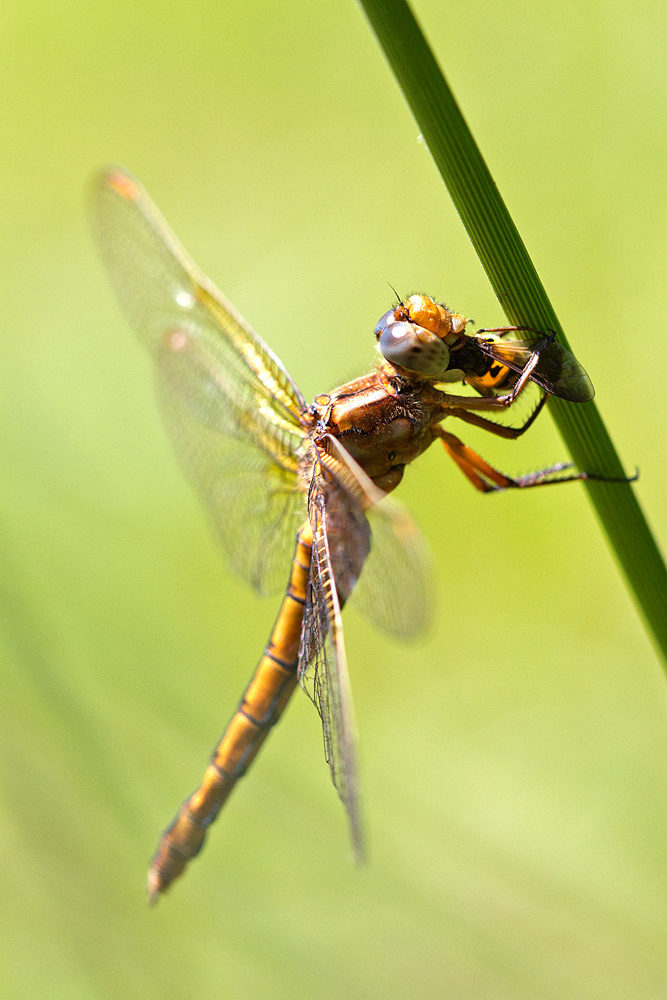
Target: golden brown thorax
383,419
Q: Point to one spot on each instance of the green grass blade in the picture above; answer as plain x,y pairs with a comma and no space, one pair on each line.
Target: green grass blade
521,294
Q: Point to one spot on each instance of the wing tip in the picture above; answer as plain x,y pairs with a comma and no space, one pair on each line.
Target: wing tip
359,855
584,394
120,181
153,887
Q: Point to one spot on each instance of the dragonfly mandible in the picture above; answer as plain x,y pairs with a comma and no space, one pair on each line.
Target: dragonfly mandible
270,467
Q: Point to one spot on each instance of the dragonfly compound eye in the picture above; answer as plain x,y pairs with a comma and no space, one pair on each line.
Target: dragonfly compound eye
414,348
383,321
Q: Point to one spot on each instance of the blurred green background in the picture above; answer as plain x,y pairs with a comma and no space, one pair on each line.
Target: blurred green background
515,763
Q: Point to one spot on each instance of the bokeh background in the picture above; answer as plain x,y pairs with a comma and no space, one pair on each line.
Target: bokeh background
515,762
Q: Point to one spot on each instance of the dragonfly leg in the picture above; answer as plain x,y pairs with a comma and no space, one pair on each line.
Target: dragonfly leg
487,479
543,477
489,425
482,475
260,708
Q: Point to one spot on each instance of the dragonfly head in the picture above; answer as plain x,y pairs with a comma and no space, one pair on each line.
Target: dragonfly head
417,335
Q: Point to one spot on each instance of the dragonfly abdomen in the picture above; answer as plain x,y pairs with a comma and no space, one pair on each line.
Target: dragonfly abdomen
263,703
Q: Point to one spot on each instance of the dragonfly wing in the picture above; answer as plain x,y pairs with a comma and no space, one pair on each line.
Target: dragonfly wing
232,408
389,580
396,585
340,545
557,370
253,502
396,588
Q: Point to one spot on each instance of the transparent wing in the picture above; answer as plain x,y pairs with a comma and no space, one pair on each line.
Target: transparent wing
365,547
340,545
232,408
396,586
253,502
557,371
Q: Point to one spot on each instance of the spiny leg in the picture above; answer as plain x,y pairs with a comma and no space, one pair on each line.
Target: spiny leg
472,465
501,430
487,479
260,708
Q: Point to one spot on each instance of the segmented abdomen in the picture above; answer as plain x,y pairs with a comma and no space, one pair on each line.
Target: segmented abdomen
260,708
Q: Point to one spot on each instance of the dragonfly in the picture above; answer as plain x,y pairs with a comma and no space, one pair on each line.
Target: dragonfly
271,468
